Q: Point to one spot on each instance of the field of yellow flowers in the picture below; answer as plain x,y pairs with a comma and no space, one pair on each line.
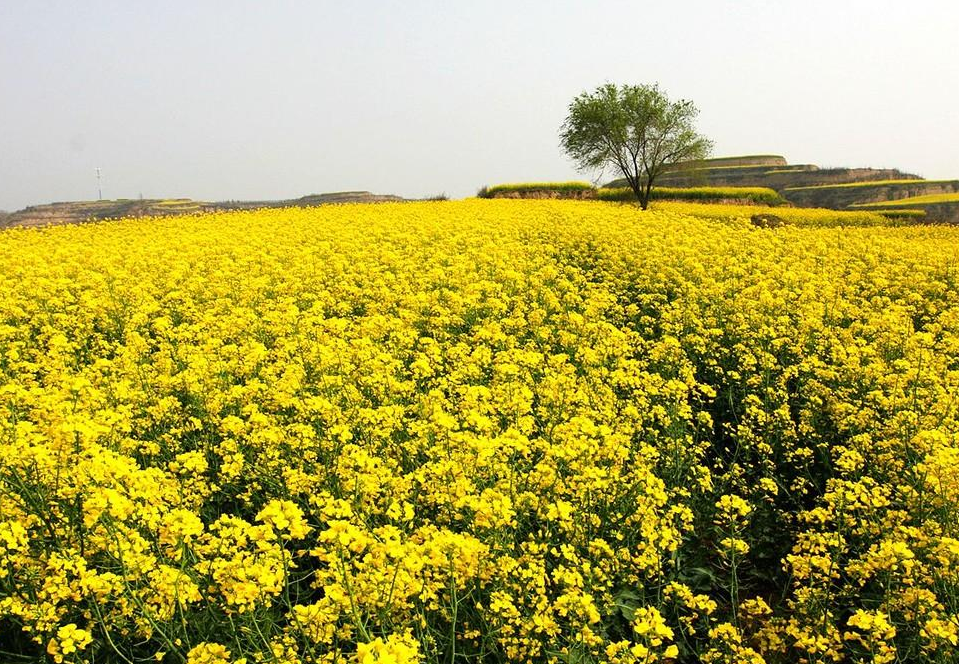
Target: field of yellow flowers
478,431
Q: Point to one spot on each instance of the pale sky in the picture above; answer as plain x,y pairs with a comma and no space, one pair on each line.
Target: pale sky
257,100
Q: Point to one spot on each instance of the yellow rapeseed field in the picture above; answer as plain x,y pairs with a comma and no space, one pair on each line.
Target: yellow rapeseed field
479,431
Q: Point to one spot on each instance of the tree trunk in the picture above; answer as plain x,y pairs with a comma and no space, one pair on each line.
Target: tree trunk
638,192
647,192
641,192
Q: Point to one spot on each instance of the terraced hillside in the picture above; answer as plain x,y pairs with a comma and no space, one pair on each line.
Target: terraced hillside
807,185
771,171
797,175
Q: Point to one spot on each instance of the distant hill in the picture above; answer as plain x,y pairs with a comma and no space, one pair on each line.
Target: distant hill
74,212
807,185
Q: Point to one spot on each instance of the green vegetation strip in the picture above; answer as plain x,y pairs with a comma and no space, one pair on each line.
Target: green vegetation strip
757,195
913,200
754,195
520,187
904,213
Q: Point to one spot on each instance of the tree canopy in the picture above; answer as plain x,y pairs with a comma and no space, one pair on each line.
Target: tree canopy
634,129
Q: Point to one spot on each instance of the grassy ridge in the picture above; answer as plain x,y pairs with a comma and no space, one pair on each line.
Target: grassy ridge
526,187
914,200
904,213
867,184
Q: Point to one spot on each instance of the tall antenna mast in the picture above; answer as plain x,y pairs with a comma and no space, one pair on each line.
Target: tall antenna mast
99,188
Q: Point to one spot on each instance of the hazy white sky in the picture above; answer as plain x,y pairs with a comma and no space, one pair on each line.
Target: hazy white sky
243,100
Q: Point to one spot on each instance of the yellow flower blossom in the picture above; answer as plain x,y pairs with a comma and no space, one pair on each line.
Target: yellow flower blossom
68,640
395,649
532,431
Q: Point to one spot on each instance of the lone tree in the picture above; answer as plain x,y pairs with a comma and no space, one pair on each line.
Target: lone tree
635,129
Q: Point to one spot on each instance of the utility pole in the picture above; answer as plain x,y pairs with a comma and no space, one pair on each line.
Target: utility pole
99,188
